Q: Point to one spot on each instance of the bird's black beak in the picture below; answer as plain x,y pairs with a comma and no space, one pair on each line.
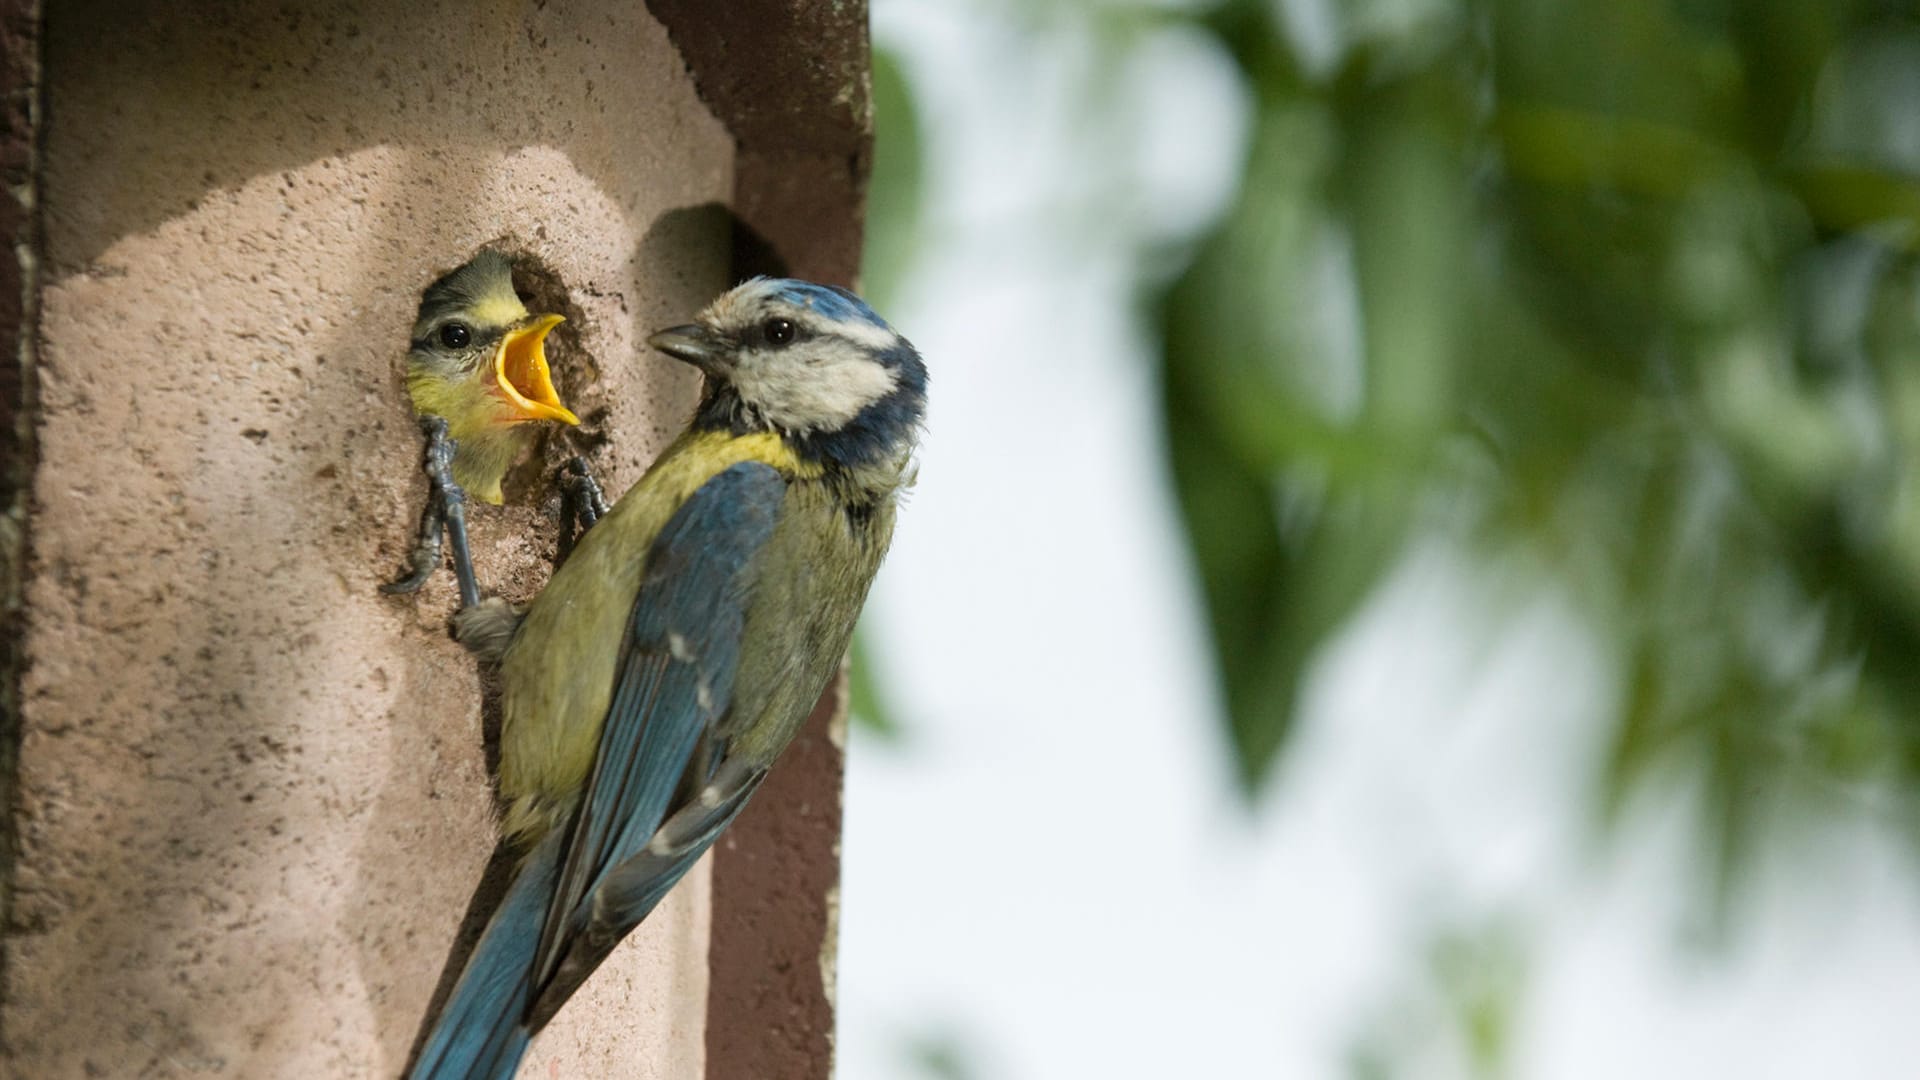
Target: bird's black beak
696,345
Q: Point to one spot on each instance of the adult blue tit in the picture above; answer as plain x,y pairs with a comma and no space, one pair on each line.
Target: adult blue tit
674,655
478,376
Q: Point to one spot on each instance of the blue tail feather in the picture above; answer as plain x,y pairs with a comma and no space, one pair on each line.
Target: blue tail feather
481,1034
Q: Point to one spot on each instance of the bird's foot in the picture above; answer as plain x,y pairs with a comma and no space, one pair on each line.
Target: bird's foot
487,628
433,518
426,552
445,514
582,501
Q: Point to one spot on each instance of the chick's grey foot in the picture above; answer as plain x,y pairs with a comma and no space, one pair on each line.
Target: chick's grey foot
426,551
445,513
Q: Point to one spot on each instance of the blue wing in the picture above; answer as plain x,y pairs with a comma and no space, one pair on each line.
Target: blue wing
635,886
674,682
630,890
581,889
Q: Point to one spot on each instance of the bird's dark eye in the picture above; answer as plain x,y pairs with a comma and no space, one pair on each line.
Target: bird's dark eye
455,335
778,331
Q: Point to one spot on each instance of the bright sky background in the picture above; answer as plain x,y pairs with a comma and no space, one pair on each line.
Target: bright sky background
1053,872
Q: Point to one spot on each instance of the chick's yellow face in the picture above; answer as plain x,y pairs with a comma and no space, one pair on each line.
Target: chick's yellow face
478,356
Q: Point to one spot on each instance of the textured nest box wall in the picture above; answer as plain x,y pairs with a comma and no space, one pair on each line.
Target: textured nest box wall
248,802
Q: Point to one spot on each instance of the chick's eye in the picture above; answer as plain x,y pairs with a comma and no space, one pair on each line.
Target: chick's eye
778,331
455,335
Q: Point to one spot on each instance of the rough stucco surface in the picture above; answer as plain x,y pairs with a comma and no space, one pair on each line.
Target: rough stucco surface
253,804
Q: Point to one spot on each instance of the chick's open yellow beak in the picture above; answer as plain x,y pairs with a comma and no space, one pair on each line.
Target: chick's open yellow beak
520,367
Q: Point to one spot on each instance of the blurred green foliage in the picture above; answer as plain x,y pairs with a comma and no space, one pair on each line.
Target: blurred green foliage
1623,293
939,1055
894,188
1620,297
1461,1005
867,701
1634,300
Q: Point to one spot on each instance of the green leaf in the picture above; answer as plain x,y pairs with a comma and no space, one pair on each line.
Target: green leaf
894,191
867,702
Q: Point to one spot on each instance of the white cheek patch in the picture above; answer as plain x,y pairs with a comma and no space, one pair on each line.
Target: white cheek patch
793,395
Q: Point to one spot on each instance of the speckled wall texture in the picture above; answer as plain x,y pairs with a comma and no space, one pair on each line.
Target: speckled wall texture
252,802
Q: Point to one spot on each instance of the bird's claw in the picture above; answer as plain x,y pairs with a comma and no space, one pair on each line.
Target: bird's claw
582,501
420,563
445,514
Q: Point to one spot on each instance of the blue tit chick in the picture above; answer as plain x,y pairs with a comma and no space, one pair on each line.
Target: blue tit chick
478,376
478,359
676,653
